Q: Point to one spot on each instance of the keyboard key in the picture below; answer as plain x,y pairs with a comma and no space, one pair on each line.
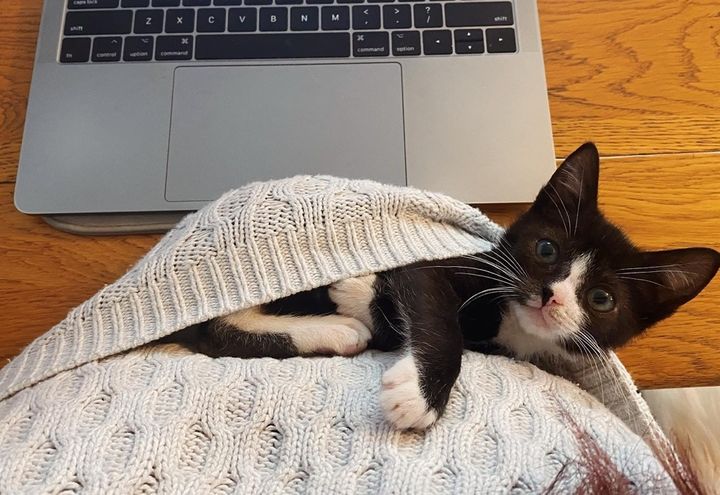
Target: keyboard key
462,47
366,17
349,1
138,48
428,15
258,2
380,1
174,48
318,2
107,49
273,19
371,44
93,4
148,21
75,50
99,22
228,2
196,3
465,14
285,45
135,3
437,42
304,19
405,43
397,16
180,21
166,3
211,20
335,18
240,20
288,2
501,40
468,35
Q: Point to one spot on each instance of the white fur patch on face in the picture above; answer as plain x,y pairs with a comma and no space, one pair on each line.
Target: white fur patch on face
330,334
401,398
562,316
353,297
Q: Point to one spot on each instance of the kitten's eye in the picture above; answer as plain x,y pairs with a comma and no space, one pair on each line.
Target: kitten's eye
546,251
600,300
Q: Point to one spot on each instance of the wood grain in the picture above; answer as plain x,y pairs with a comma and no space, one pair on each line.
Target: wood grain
19,21
637,76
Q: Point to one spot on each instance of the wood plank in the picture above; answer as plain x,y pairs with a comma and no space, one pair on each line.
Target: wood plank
636,76
663,202
19,21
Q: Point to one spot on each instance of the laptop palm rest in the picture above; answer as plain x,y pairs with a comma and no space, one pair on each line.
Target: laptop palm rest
232,125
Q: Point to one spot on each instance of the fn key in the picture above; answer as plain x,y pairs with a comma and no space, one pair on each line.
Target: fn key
75,50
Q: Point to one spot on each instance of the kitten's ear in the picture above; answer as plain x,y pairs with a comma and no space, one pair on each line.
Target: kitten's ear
669,279
574,185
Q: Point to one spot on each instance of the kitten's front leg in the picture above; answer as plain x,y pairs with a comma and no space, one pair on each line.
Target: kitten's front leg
416,389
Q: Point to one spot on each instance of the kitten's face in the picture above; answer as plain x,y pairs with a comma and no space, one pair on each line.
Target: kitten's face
585,281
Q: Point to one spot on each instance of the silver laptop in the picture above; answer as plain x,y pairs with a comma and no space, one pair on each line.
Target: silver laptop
162,105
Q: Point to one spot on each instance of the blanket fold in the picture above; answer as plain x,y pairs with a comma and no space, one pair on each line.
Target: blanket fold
80,410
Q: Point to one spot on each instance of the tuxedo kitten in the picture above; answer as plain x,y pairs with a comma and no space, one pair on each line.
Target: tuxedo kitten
563,281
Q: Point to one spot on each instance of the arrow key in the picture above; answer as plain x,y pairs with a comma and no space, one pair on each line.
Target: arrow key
397,16
437,42
107,49
468,35
469,47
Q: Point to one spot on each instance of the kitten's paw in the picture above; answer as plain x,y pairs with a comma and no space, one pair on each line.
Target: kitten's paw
402,400
339,335
354,296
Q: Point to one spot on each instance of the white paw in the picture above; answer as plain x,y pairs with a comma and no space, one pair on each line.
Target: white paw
401,398
353,297
334,335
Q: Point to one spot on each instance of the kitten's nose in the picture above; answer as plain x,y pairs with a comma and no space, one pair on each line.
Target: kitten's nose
546,295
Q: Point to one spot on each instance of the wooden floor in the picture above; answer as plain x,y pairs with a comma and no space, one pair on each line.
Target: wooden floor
639,77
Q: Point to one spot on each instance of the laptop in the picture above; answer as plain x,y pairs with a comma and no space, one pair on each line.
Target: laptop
141,106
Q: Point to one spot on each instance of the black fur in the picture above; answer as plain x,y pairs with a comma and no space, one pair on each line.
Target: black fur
420,305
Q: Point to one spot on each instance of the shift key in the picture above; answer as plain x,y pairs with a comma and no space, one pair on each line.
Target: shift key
467,14
99,22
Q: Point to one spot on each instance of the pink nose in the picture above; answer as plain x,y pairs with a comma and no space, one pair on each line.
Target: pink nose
550,297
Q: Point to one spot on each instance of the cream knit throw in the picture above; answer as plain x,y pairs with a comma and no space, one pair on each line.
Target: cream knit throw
79,415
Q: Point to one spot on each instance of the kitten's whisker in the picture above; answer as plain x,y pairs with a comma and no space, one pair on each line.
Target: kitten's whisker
648,267
577,213
645,280
508,278
567,214
511,258
504,270
474,268
497,257
478,295
558,210
471,274
503,253
642,272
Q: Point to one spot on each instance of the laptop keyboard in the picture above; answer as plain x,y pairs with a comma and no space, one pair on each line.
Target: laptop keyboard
160,30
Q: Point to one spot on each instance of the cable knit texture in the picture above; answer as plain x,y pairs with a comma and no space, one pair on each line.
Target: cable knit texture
79,414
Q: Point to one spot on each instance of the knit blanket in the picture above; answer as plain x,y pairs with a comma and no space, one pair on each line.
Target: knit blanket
93,407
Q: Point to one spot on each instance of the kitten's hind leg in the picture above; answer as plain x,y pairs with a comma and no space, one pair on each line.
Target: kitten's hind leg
252,333
354,297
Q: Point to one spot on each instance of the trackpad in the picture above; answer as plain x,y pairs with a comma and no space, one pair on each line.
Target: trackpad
233,125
